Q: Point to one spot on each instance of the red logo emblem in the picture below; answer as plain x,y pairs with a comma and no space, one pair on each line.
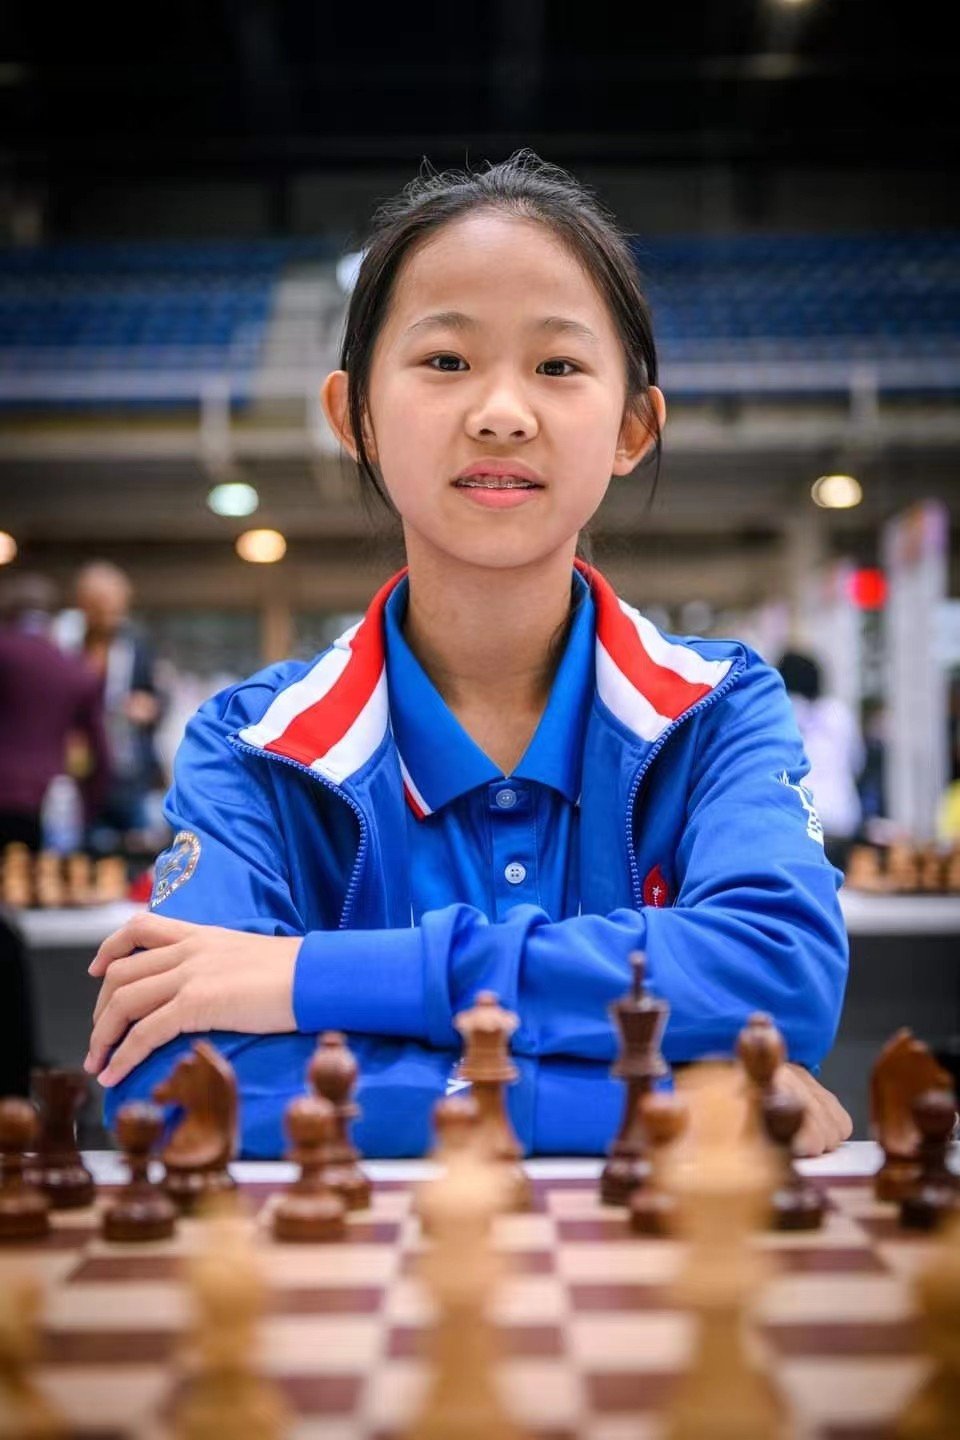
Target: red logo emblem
656,891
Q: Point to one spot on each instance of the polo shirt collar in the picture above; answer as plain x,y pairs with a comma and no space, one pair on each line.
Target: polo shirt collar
440,761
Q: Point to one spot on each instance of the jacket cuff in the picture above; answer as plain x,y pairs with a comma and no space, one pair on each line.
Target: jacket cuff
370,981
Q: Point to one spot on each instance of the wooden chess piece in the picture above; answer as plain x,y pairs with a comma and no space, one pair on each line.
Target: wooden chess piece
903,1070
723,1174
24,1208
931,1413
143,1210
25,1412
952,870
796,1204
58,1166
863,869
225,1395
205,1140
935,1193
110,882
652,1207
456,1125
486,1029
903,869
332,1074
930,875
761,1050
16,884
461,1269
79,878
310,1209
50,891
640,1020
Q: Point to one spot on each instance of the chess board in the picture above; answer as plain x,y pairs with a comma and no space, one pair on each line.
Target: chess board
591,1343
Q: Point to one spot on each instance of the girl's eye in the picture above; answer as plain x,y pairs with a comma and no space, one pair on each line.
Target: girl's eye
561,362
446,369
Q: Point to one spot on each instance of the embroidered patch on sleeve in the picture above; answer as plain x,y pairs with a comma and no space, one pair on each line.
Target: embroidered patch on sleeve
814,823
175,866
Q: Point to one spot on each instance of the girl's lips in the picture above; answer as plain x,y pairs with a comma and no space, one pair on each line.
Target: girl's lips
497,499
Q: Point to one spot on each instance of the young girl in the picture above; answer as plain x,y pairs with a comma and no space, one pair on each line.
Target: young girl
503,777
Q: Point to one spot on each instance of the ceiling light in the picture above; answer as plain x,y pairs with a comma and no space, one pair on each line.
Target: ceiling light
836,492
8,548
261,547
234,498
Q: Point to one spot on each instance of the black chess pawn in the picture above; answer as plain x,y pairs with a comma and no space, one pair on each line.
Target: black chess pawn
143,1210
935,1193
58,1166
653,1210
332,1075
24,1208
640,1020
310,1209
796,1204
761,1050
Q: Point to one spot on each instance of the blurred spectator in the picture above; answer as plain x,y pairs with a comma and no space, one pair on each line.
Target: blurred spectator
832,740
872,782
45,698
101,630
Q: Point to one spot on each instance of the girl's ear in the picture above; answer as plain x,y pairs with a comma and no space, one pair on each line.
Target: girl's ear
637,434
333,398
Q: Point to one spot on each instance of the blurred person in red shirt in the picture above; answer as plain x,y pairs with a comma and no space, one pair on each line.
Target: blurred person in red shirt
47,700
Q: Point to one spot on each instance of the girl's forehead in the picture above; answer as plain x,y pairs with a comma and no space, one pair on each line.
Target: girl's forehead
488,255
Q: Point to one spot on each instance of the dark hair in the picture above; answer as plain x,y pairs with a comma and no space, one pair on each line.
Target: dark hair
523,186
800,674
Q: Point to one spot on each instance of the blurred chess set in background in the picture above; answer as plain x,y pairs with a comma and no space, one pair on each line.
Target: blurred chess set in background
51,881
904,869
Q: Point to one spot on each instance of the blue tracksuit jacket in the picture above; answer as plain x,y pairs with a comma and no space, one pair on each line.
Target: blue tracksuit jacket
698,844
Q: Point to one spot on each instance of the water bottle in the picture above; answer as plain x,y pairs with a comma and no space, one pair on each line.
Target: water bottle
61,816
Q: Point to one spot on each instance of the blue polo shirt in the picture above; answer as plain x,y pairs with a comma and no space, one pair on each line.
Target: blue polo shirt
486,839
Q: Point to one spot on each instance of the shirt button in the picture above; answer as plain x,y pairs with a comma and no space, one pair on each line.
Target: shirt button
515,872
506,799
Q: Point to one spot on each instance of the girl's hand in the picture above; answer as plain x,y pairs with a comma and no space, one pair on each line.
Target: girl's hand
826,1124
185,978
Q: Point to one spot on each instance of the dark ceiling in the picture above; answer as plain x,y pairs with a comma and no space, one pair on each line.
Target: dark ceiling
257,88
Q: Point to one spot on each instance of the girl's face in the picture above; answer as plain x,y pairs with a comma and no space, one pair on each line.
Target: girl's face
497,346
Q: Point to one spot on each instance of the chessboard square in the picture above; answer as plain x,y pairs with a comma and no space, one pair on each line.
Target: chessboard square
105,1397
523,1232
657,1341
849,1299
385,1205
542,1394
408,1302
393,1395
652,1262
907,1258
582,1204
838,1230
328,1427
184,1242
320,1345
625,1427
531,1300
858,1391
330,1263
48,1267
140,1306
859,1201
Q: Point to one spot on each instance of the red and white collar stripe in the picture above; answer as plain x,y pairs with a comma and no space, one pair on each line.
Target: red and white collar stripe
335,717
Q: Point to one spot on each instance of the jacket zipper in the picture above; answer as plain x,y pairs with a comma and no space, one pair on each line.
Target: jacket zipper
702,704
341,794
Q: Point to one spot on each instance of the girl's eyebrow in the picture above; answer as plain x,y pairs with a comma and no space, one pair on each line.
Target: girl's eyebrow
456,320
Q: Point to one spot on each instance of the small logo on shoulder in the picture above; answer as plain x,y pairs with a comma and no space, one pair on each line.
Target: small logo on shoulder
175,866
656,891
814,823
